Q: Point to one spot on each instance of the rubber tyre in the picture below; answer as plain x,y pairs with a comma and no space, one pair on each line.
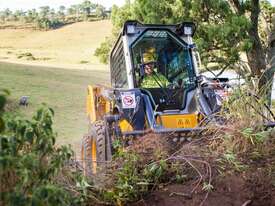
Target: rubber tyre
95,150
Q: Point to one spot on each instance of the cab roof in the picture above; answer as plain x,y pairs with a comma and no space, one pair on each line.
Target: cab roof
177,28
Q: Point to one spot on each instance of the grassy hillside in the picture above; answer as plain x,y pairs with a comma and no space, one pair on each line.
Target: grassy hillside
62,89
70,45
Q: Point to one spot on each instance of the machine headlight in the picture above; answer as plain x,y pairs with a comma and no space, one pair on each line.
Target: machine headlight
188,30
130,29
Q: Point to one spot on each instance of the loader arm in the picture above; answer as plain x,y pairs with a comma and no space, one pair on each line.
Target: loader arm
98,103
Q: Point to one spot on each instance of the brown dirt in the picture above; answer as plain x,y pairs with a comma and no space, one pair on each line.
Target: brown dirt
232,190
150,147
253,187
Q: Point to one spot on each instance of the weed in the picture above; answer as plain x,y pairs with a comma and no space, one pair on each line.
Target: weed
253,136
207,187
133,179
230,161
179,175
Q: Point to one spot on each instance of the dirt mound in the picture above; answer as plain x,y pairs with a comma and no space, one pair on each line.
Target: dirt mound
150,147
233,190
251,187
155,146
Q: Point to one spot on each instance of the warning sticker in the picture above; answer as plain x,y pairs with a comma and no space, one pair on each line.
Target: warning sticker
128,100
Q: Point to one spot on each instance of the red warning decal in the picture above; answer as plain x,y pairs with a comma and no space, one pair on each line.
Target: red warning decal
128,100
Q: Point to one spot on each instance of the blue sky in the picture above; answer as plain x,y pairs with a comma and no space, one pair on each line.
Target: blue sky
29,4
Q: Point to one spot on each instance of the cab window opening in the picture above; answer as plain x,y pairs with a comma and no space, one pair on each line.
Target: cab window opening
170,59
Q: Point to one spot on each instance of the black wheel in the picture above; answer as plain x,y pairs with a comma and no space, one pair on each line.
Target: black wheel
95,150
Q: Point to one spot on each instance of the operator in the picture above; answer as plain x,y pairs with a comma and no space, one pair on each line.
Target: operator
152,79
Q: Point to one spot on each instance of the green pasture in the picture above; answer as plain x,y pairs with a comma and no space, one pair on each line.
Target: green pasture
64,90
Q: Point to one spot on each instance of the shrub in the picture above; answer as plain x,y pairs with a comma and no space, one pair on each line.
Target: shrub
30,162
46,23
102,52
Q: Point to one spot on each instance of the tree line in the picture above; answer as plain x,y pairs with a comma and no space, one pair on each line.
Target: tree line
47,18
227,30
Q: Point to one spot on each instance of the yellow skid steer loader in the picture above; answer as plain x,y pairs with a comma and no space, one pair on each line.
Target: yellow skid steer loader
155,88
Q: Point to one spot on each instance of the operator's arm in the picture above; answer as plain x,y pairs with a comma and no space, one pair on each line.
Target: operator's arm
164,81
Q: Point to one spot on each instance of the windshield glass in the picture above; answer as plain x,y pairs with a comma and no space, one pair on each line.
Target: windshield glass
161,60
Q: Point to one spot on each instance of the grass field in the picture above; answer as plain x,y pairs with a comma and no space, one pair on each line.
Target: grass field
71,46
64,90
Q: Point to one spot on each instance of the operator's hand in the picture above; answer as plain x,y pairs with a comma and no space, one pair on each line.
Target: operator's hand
173,85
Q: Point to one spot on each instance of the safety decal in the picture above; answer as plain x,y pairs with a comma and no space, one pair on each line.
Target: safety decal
128,100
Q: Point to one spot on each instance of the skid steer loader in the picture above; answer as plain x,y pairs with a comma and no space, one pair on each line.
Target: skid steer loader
175,100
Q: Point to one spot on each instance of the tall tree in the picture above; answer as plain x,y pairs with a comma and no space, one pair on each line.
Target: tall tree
71,11
7,13
44,11
257,53
100,11
154,11
271,53
76,8
2,17
62,9
87,7
269,74
18,15
61,13
32,15
120,15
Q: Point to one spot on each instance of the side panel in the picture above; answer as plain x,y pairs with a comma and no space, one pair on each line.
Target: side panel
130,106
178,121
128,61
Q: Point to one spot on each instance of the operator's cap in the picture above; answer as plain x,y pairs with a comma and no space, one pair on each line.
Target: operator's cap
149,56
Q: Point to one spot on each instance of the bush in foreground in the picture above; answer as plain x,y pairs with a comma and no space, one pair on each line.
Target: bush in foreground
31,163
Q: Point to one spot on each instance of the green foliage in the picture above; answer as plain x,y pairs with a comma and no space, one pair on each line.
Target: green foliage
218,26
134,179
3,95
247,108
154,172
118,17
30,162
253,136
160,12
207,187
120,14
49,18
47,23
103,51
100,11
229,161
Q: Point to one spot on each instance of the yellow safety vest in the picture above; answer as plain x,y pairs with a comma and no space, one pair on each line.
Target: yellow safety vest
154,81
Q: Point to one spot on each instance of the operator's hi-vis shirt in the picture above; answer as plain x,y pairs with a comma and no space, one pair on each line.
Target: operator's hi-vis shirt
154,81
